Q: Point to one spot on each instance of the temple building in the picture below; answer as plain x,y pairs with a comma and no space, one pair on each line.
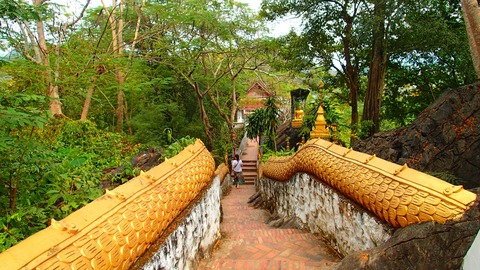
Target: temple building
256,94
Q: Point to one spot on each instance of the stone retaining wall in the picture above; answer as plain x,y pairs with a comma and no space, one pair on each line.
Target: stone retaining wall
397,194
193,238
349,197
346,226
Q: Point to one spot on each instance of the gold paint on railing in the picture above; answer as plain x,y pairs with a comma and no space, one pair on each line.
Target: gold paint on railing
397,194
115,229
222,171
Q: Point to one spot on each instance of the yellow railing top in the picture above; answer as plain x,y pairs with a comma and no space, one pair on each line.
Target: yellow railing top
114,230
397,194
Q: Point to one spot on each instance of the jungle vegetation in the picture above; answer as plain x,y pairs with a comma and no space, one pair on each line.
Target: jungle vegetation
83,90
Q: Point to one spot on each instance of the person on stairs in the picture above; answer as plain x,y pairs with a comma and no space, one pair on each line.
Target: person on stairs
237,170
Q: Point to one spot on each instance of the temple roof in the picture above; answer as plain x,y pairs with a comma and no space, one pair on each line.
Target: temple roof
255,94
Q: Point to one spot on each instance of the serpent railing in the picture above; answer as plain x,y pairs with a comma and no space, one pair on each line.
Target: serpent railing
397,194
115,229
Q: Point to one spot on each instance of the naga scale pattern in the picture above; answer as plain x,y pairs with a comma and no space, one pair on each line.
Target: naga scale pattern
397,194
114,230
222,171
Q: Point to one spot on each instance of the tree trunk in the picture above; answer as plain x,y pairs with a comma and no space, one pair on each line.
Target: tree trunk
351,75
52,91
127,117
204,116
233,110
43,56
354,104
116,27
471,13
119,112
88,101
377,71
120,77
55,104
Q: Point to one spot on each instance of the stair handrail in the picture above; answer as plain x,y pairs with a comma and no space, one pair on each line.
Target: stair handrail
241,147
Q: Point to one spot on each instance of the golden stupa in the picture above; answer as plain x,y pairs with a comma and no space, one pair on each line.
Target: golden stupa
320,129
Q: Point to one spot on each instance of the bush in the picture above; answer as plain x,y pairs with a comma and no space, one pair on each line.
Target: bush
177,146
50,168
269,153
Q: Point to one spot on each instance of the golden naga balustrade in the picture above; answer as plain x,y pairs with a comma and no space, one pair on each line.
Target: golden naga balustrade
397,194
115,229
222,171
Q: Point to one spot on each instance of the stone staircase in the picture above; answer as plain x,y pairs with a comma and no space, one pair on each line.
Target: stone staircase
249,242
249,158
249,171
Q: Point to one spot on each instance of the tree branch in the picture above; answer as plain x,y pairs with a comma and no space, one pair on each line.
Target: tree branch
27,33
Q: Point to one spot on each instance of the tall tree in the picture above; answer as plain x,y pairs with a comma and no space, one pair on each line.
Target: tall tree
116,15
378,67
115,18
209,45
247,56
401,15
331,29
31,40
471,13
420,69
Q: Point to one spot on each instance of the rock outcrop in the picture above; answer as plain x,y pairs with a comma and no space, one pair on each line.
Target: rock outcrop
444,138
420,246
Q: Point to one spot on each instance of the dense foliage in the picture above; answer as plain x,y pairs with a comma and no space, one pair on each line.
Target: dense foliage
159,71
173,78
263,123
340,36
52,167
49,168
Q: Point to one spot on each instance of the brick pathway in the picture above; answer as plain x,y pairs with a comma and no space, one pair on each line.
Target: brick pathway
249,159
248,243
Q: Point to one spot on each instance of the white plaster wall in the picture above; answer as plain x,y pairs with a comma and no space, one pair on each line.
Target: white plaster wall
472,259
194,237
321,209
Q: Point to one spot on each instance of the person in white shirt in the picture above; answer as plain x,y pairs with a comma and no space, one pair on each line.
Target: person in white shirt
237,170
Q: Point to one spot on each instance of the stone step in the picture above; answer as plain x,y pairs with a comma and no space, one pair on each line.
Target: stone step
249,174
249,159
249,163
249,242
249,179
261,264
249,169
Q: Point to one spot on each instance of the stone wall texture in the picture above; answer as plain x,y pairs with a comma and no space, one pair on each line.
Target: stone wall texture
421,246
193,238
318,208
397,194
444,138
435,222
